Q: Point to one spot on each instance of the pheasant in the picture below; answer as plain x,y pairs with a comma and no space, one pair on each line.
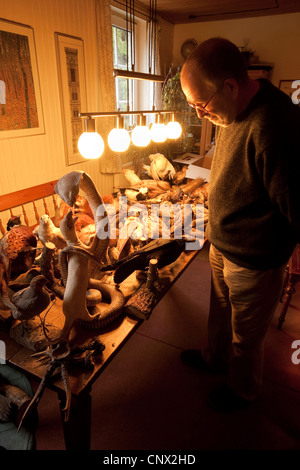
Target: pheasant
17,251
15,220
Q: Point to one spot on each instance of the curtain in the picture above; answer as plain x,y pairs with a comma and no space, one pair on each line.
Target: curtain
155,64
140,10
110,162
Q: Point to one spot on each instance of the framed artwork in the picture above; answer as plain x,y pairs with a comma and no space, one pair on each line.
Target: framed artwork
72,84
290,87
20,96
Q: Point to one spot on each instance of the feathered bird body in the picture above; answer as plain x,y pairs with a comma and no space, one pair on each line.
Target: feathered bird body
47,232
179,176
17,250
190,187
154,187
32,300
160,168
14,220
131,176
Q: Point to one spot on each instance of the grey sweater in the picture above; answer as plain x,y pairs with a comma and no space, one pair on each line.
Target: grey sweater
254,188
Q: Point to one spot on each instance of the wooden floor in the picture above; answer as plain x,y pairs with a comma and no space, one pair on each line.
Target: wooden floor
147,399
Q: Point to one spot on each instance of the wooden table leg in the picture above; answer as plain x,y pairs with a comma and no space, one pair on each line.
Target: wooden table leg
77,430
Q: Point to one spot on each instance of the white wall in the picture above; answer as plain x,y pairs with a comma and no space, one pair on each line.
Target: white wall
28,161
275,39
166,40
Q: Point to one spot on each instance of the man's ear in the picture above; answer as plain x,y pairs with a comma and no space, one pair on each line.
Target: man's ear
231,87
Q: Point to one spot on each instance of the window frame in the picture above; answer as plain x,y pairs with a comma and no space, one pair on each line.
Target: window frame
141,90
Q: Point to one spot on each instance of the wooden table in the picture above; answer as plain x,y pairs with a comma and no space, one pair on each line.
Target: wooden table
77,430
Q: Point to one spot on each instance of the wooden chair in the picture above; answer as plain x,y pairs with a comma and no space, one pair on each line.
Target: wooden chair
292,277
30,202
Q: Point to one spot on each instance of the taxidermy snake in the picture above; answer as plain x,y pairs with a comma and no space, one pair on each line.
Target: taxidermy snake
80,264
109,312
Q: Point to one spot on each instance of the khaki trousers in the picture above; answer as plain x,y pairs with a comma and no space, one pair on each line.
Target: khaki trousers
242,304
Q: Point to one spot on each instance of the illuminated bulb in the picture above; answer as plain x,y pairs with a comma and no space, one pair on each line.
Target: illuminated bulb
118,140
91,145
174,130
158,132
141,136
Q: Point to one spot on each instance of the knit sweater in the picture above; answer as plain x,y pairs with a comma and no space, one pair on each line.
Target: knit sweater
254,187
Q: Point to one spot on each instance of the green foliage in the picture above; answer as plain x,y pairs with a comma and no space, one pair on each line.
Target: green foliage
173,96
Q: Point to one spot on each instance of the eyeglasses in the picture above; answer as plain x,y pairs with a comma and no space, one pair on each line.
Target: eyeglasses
201,108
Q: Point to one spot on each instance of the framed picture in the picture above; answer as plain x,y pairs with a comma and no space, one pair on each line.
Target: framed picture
20,97
72,84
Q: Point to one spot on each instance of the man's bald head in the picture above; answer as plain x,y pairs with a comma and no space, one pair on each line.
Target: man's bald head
216,60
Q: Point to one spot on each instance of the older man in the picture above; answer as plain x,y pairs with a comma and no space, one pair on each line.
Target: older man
254,211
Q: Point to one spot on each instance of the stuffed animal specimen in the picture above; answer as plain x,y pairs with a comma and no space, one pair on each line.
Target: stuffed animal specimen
165,251
47,232
30,301
15,220
180,175
160,167
17,251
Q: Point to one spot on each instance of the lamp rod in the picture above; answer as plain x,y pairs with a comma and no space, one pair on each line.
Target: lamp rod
124,113
138,75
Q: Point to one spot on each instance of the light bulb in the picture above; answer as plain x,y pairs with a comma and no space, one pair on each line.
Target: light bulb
174,130
118,140
90,145
141,136
158,132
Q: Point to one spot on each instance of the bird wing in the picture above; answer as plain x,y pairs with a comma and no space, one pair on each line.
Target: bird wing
163,166
154,171
148,169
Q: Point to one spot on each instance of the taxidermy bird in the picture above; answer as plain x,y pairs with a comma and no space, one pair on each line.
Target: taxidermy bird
160,167
131,176
17,251
192,185
179,175
134,193
165,251
31,301
47,232
15,220
154,187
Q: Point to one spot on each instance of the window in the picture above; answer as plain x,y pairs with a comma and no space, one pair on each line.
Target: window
122,60
131,94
